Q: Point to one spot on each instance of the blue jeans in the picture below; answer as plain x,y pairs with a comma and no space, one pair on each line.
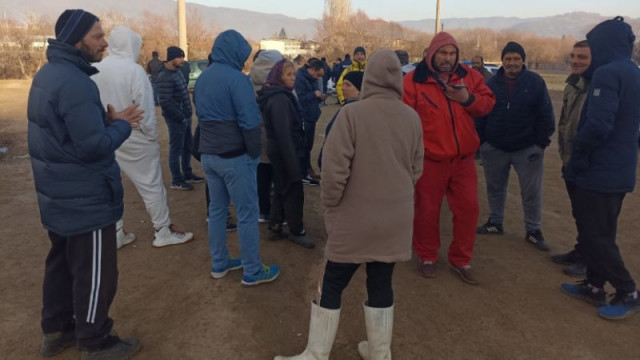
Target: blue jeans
180,140
528,164
154,85
233,179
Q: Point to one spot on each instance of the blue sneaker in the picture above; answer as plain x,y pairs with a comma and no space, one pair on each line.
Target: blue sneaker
621,307
268,273
221,271
586,292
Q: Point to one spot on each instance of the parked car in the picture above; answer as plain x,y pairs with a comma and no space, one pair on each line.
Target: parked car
408,68
492,67
331,87
197,67
403,56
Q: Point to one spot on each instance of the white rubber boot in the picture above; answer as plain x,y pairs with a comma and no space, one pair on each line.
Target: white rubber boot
322,333
379,323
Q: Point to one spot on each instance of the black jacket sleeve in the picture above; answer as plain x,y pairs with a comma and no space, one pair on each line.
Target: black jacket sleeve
282,116
171,109
546,120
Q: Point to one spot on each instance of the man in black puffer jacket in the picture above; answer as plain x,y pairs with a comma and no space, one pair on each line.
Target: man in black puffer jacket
176,110
515,134
72,143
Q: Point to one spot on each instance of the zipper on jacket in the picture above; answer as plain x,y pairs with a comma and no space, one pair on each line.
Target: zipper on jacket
429,100
453,125
508,104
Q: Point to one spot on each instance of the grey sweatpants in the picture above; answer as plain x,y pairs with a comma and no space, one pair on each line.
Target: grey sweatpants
528,164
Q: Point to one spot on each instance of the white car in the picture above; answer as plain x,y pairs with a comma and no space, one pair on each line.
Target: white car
493,68
331,87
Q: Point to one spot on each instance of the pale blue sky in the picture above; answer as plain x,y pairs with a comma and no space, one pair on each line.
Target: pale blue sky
398,10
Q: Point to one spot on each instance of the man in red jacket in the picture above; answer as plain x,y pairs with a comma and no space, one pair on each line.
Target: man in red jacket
447,96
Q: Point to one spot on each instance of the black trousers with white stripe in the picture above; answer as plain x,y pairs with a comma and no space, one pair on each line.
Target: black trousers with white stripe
80,281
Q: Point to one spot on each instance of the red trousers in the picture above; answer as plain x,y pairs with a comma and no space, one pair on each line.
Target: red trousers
457,179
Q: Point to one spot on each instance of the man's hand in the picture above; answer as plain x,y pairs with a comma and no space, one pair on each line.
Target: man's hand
318,94
132,115
458,94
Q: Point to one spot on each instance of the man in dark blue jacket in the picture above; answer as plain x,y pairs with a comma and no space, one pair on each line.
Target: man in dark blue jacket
309,97
72,144
602,167
230,147
515,134
176,110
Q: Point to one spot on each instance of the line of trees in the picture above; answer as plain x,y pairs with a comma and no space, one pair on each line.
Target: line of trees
340,34
22,52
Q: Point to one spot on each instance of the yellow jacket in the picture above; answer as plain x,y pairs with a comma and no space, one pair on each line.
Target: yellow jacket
355,66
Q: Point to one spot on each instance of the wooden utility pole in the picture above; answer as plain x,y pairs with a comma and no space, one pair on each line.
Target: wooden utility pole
182,28
438,23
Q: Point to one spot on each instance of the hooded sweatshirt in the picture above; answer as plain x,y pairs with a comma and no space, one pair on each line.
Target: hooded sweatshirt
372,160
605,152
225,103
447,125
122,81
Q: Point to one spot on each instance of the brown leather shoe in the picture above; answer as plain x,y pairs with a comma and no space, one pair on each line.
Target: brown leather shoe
427,269
466,274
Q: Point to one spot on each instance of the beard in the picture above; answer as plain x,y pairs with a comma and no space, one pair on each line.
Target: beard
91,55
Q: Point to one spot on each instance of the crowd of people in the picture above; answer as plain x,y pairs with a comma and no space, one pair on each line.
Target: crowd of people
395,149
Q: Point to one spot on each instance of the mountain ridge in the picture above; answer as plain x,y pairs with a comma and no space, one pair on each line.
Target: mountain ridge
256,25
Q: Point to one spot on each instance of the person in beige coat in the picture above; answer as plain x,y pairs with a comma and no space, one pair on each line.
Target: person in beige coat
371,163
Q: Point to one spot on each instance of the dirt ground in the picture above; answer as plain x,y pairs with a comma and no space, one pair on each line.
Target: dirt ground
167,298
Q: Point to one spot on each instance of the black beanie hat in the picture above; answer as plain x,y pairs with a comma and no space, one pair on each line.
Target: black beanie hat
359,49
355,77
73,25
513,46
174,52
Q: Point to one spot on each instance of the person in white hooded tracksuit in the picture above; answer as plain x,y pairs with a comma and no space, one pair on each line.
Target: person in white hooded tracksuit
121,82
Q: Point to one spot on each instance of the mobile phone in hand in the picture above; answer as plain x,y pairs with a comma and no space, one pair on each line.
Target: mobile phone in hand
458,86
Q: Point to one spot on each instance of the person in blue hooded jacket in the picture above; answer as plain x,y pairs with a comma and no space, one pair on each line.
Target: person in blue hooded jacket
602,167
230,136
72,144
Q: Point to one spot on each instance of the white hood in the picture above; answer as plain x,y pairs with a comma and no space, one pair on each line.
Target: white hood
123,42
122,81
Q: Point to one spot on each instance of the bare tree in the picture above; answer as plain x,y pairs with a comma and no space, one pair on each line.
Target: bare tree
23,47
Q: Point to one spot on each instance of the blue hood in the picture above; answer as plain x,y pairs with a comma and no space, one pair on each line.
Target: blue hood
610,40
230,48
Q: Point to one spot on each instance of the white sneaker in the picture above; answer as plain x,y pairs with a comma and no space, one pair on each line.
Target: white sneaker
123,238
168,235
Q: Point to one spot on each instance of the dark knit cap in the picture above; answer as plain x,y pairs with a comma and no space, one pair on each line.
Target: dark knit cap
174,52
514,47
73,25
355,77
359,49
